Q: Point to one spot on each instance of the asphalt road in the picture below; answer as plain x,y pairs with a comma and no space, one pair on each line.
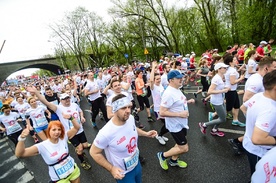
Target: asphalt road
210,159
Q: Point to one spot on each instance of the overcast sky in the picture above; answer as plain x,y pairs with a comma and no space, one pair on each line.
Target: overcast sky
24,24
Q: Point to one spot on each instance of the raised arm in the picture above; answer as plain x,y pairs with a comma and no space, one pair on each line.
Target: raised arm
40,97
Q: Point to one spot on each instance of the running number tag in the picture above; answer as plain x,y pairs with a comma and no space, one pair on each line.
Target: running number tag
132,161
64,168
41,121
14,128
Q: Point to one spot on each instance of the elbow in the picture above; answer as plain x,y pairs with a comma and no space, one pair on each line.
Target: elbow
161,113
256,140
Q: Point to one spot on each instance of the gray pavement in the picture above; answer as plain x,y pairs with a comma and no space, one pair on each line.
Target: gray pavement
210,159
11,168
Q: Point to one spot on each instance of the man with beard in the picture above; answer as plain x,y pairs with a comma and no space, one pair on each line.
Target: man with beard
118,138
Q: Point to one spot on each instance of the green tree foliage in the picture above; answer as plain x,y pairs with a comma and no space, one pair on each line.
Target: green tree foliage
85,40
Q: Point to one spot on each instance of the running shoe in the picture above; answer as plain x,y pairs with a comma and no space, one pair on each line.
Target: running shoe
163,162
202,128
36,141
238,123
179,163
229,116
165,138
150,119
216,132
204,101
210,116
94,124
160,139
101,115
237,147
195,94
85,165
141,126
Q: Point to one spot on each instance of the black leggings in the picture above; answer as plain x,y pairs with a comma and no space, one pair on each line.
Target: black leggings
143,100
204,83
96,105
163,130
14,137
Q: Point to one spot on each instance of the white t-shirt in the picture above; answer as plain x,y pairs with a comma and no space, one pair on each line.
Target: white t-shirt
129,91
92,86
253,64
101,83
265,168
57,88
53,153
10,122
22,108
119,144
184,67
254,83
231,72
37,115
73,110
156,94
261,114
131,74
164,80
175,101
217,99
106,77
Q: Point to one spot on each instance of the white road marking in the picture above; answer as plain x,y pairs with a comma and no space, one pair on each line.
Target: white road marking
26,177
18,166
232,131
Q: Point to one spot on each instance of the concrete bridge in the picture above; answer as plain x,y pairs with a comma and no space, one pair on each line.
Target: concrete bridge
50,64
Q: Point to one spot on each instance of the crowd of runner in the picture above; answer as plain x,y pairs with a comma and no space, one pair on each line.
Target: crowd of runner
48,110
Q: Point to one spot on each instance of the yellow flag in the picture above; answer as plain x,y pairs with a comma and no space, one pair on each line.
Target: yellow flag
146,51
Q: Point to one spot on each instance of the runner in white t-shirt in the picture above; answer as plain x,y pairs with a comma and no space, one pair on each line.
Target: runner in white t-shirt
260,114
251,66
95,98
164,79
54,151
79,141
252,86
22,107
119,140
265,168
9,123
157,91
217,90
174,107
39,121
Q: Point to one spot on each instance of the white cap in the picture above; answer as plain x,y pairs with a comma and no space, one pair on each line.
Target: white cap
220,65
64,96
263,42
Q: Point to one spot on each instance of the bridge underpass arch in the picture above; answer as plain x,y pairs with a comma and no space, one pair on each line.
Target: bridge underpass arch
8,68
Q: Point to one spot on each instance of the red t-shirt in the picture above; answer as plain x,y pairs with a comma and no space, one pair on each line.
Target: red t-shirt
241,54
260,51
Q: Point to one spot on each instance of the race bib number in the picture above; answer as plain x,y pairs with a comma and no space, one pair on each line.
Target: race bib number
132,161
14,128
64,168
55,102
41,121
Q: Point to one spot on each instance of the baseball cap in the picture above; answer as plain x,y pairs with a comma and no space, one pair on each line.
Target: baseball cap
174,74
263,42
220,65
64,96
